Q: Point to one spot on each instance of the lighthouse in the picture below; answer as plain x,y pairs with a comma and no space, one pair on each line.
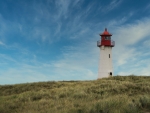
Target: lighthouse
105,64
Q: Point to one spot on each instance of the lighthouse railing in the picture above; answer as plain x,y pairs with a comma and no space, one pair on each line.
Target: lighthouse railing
99,43
112,43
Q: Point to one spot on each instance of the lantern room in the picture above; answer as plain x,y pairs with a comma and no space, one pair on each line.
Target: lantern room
105,39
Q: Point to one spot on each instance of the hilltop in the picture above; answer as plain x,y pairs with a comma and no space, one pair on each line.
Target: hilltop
119,94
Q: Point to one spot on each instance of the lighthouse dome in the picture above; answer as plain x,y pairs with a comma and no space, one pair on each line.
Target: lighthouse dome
105,33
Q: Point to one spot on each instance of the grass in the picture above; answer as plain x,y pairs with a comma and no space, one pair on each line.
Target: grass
119,94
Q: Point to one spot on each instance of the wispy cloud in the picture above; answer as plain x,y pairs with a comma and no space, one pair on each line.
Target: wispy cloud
147,7
120,20
147,42
62,6
76,2
133,33
1,43
73,64
128,51
112,5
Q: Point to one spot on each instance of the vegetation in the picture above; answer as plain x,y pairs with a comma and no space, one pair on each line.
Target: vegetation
119,94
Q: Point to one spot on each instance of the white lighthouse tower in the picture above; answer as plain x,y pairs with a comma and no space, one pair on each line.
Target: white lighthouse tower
105,45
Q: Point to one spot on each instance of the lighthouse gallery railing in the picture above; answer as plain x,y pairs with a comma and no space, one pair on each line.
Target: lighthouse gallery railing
99,43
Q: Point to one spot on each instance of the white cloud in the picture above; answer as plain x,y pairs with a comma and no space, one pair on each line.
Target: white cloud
138,67
147,7
75,2
78,61
131,34
62,6
17,75
112,5
1,43
22,72
147,42
120,20
5,57
129,49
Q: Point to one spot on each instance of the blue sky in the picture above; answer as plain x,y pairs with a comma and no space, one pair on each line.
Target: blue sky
44,40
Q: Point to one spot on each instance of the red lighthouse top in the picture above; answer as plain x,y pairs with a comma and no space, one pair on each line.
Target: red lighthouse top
106,39
105,33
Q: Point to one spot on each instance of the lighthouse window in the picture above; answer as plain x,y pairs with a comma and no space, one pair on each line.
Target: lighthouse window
107,38
109,55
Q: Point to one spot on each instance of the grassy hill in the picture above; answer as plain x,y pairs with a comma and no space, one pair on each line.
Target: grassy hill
130,94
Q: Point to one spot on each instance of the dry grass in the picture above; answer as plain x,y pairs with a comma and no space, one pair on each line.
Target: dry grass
130,94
